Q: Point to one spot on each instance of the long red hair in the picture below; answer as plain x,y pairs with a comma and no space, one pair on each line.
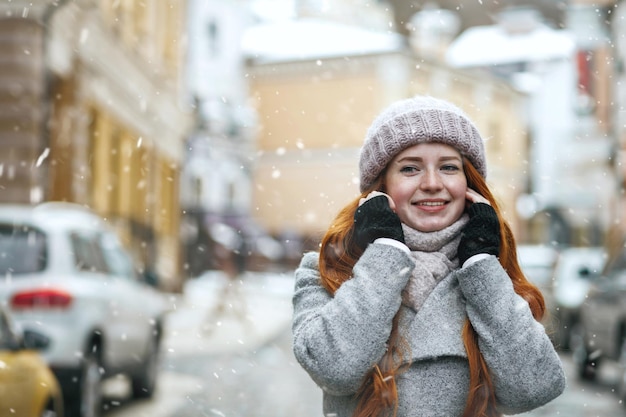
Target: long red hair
378,395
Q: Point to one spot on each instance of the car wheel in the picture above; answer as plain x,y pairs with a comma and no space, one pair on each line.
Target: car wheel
86,399
144,383
586,362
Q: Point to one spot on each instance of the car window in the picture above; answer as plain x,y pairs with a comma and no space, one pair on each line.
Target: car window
88,254
118,261
22,250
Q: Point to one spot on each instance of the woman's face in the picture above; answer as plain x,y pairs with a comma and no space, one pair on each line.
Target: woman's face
428,186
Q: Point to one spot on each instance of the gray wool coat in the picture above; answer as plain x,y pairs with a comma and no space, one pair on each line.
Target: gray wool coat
338,339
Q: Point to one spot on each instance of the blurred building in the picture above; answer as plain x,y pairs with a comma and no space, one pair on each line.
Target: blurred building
316,94
217,181
538,80
566,75
475,13
581,182
91,112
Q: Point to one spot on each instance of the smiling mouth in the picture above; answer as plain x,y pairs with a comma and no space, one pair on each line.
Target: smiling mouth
430,203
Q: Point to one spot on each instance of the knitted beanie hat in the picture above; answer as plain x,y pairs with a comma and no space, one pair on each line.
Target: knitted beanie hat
417,120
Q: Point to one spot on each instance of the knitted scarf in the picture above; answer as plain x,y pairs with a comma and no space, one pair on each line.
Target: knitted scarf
435,257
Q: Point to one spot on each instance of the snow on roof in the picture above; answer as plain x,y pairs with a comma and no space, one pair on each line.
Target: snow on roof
492,45
311,39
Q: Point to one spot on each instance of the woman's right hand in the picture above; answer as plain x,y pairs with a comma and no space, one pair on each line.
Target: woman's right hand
375,218
373,194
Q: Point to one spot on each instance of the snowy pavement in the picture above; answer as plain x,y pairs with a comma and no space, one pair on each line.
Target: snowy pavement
255,310
214,315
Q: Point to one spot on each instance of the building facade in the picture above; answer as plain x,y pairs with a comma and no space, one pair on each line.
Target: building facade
565,76
216,180
91,112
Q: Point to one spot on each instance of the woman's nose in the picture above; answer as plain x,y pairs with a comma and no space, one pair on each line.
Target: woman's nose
431,180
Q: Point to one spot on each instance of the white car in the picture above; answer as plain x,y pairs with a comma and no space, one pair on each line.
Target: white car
537,263
64,272
575,268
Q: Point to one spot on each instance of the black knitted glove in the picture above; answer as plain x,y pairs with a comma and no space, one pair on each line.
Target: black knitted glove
374,219
481,234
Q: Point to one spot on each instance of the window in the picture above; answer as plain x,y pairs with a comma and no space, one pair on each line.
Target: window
88,253
22,250
118,261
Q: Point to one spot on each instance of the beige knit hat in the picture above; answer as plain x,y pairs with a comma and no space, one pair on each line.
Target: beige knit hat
418,120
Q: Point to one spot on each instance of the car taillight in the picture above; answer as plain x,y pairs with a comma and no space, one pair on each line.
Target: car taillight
43,298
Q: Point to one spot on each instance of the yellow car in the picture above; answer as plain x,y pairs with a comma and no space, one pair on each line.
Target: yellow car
27,386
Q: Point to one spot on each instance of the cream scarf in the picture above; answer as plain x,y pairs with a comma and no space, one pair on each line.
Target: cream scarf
435,257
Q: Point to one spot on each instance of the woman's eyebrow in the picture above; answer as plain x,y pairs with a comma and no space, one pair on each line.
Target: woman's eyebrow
420,159
451,158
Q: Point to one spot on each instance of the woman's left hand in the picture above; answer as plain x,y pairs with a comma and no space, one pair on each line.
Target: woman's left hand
481,234
473,197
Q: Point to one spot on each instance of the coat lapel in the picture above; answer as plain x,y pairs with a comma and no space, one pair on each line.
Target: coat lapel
437,327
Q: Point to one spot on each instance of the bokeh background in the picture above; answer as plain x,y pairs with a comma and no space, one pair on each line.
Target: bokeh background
192,124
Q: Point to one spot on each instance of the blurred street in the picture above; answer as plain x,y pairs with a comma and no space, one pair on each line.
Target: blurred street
234,363
239,363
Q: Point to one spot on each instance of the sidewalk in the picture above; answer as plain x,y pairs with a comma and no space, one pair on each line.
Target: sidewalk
193,329
255,309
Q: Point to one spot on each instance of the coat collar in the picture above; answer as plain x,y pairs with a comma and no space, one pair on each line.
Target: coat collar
436,330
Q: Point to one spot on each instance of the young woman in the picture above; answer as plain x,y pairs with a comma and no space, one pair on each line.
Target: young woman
416,304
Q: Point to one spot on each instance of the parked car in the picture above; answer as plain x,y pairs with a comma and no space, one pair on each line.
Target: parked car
64,272
574,267
602,331
538,263
28,388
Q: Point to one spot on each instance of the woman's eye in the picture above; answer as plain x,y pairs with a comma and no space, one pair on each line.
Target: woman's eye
451,168
409,169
